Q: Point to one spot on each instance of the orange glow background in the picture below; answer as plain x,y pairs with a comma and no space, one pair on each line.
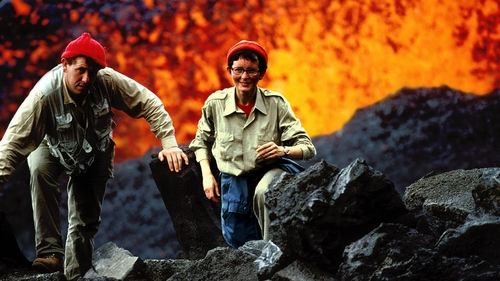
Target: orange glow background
329,58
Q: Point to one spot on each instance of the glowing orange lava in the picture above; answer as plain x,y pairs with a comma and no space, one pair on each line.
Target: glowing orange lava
329,58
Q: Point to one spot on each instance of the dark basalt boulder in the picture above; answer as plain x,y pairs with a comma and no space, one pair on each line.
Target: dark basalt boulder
417,131
480,236
395,252
317,213
455,237
221,263
111,262
195,218
446,200
384,249
345,224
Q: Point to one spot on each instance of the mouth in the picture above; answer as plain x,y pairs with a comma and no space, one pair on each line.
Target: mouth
245,84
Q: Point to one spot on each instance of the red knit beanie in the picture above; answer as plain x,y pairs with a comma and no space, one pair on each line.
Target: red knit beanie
247,45
86,46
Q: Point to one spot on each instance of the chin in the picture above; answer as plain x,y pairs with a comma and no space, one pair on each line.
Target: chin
246,88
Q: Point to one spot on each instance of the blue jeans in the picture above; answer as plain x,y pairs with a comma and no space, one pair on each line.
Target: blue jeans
238,220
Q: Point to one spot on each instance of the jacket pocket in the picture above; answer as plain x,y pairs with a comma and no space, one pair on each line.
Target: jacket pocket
66,137
226,146
103,124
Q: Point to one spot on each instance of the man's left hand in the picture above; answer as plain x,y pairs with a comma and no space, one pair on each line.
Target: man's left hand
174,156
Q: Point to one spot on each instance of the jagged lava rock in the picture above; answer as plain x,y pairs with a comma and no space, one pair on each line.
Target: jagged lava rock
446,200
417,131
318,212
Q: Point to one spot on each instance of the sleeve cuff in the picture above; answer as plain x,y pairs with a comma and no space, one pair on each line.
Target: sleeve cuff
307,153
169,142
201,154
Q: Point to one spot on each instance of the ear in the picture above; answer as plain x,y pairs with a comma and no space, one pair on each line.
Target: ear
64,63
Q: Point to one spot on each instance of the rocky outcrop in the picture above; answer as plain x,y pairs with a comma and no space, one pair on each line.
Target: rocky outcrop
350,224
195,218
112,262
419,131
446,200
455,238
316,214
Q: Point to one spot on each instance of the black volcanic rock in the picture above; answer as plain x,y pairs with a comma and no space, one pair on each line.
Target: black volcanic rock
480,237
468,236
222,264
359,207
419,131
446,200
316,213
111,262
393,252
195,218
487,194
374,253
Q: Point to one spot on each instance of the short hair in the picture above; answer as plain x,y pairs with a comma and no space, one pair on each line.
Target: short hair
92,63
248,55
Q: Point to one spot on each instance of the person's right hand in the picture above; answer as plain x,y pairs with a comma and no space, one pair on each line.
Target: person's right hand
211,188
175,157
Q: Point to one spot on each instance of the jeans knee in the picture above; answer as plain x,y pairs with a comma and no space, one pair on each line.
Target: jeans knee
237,229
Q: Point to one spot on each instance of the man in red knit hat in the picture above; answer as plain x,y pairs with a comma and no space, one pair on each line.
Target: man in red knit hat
252,133
65,125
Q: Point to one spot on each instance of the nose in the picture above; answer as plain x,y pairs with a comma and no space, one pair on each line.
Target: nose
86,77
245,73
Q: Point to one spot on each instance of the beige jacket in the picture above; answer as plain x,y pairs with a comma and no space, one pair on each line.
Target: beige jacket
225,132
34,119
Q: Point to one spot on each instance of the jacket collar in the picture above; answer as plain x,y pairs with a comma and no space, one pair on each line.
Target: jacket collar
230,106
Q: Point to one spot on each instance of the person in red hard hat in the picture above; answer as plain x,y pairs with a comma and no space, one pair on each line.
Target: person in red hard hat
252,133
65,125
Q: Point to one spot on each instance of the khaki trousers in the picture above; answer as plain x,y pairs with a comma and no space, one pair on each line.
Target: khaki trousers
259,208
85,195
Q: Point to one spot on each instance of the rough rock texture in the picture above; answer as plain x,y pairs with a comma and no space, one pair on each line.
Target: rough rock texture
196,220
301,271
377,251
467,234
478,237
418,131
221,263
316,213
487,193
112,262
448,199
156,269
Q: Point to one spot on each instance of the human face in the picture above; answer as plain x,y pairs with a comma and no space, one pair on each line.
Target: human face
79,75
245,84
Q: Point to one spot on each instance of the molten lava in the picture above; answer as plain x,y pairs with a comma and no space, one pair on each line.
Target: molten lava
329,58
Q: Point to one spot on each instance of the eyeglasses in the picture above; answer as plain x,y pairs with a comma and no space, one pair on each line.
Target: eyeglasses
252,72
